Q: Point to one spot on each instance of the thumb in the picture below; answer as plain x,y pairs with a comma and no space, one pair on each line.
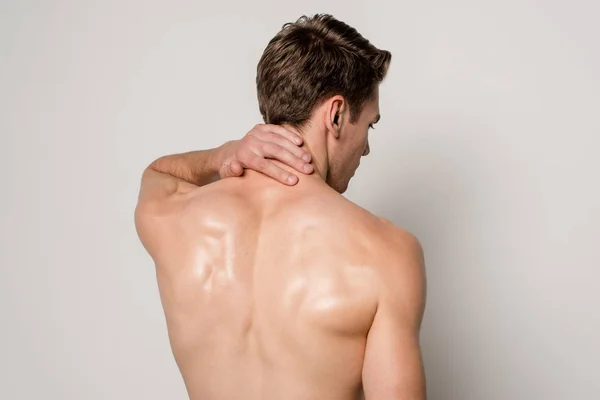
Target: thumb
236,168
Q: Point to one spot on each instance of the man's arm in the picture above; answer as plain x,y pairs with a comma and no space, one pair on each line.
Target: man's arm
393,367
180,173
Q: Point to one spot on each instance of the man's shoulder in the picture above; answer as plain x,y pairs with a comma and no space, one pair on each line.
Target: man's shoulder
389,243
391,234
387,233
397,247
399,236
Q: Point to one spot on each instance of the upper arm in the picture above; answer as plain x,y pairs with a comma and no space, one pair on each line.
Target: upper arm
393,367
157,187
160,197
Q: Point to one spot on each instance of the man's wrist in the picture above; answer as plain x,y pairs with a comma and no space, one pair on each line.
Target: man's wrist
217,157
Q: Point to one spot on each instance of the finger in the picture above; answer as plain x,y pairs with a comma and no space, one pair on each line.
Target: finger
268,168
280,130
280,153
268,137
281,136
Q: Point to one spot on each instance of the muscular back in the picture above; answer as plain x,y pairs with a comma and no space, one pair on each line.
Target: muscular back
269,291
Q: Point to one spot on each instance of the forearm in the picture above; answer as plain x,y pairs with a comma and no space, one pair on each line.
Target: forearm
196,167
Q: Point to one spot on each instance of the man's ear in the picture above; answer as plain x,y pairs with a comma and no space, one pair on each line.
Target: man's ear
334,112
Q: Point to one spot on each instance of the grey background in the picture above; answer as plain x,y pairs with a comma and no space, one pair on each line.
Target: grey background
487,151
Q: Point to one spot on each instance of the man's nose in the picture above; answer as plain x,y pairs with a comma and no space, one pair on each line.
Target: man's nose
367,150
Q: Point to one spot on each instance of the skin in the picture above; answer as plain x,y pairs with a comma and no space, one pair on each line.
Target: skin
289,291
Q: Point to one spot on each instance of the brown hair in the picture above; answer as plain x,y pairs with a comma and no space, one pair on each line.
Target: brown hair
312,60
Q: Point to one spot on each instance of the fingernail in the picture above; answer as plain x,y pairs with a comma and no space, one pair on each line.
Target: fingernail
298,140
306,157
307,167
291,179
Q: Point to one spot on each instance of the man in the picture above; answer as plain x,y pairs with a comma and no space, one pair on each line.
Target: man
275,291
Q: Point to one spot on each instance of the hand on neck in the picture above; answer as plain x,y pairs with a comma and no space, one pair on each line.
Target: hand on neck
315,143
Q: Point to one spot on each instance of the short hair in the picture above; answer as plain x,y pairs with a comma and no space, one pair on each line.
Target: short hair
311,60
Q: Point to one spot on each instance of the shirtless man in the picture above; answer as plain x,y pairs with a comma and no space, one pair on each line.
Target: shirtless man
276,291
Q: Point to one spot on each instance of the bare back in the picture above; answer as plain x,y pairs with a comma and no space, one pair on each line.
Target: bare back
269,292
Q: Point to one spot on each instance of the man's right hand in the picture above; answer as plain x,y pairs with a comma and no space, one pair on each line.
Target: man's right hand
261,144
